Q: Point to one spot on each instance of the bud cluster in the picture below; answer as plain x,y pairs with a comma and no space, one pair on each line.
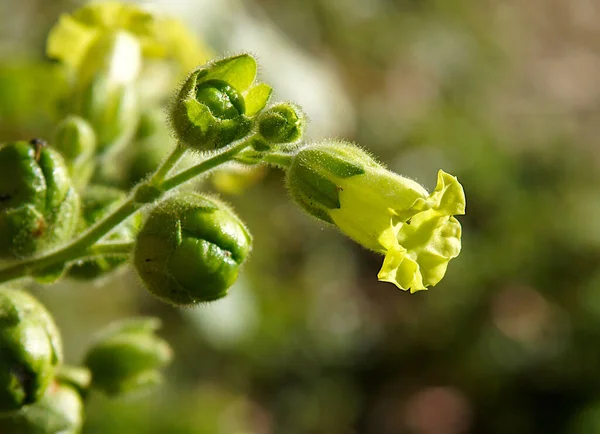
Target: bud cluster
103,192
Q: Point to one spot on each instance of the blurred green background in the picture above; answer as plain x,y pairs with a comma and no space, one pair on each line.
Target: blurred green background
505,94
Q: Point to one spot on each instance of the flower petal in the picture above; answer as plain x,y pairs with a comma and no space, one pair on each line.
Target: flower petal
69,40
448,198
423,239
398,267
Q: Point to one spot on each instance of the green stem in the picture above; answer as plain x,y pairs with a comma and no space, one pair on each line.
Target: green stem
205,165
168,164
115,248
80,247
75,249
278,159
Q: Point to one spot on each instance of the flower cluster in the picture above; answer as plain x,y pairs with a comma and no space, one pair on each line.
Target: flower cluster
104,192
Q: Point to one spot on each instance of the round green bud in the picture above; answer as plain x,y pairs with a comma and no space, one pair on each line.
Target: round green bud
127,356
96,202
223,101
215,104
60,411
190,249
30,349
75,139
282,123
39,207
204,115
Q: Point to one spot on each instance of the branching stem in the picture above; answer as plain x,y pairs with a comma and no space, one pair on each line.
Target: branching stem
84,244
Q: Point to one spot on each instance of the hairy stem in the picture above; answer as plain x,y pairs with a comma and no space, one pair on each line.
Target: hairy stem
278,159
168,164
111,248
205,165
73,250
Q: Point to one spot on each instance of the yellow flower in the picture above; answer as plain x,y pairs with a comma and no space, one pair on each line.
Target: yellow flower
75,35
384,212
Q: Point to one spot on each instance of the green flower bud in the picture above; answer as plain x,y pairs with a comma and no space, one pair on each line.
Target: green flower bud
282,123
190,249
127,356
39,206
215,105
97,201
223,101
74,138
60,411
384,212
30,349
